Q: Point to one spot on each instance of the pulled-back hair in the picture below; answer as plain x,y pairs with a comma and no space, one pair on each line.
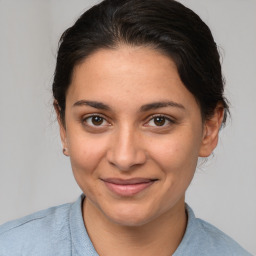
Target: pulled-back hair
164,25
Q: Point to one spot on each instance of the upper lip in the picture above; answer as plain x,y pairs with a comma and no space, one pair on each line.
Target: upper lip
131,181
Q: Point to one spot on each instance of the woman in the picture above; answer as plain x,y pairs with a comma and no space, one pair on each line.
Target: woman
138,93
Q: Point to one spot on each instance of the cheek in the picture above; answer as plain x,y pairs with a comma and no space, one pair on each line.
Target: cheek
176,155
86,153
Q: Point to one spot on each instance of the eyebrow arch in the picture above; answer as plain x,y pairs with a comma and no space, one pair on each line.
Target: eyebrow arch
144,108
156,105
94,104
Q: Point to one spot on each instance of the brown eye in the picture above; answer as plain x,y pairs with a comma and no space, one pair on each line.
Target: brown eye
97,120
159,120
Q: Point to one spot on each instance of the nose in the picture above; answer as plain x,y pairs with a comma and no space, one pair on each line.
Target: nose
126,150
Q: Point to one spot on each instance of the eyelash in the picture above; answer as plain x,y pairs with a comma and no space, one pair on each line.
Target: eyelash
151,118
166,118
85,120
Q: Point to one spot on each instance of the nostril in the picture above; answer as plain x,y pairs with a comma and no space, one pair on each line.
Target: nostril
124,161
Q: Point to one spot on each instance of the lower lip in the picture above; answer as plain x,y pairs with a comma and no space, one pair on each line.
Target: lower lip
128,190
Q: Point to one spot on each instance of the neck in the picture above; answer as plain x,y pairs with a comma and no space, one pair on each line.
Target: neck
159,237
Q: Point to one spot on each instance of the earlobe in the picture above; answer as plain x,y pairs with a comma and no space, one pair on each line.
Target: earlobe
211,132
62,129
65,152
63,139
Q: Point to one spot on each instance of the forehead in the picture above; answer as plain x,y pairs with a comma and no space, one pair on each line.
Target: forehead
128,74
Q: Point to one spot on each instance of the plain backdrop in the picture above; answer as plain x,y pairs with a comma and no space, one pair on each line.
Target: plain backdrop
33,172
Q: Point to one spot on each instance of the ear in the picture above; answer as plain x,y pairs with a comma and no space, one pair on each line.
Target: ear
62,128
211,132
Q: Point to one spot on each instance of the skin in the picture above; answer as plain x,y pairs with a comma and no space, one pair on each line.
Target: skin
126,141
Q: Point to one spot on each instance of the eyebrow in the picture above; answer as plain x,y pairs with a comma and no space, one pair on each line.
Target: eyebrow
144,108
94,104
156,105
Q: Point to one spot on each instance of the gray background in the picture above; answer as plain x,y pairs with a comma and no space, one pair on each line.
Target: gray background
33,172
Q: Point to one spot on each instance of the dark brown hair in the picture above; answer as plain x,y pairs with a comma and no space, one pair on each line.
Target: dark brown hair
165,25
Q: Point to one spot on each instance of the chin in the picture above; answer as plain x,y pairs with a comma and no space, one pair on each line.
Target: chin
130,216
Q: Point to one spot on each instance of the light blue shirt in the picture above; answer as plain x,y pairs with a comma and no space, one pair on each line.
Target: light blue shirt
60,231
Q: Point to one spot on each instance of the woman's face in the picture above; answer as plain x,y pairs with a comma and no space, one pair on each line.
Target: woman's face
133,133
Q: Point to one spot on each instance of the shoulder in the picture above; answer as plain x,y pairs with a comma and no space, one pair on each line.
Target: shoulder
202,238
218,241
35,231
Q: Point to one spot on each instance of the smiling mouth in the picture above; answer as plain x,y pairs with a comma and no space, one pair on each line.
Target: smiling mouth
128,187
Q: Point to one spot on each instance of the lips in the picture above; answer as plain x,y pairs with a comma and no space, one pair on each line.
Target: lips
128,187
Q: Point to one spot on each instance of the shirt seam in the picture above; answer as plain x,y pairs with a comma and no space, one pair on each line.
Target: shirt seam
21,224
